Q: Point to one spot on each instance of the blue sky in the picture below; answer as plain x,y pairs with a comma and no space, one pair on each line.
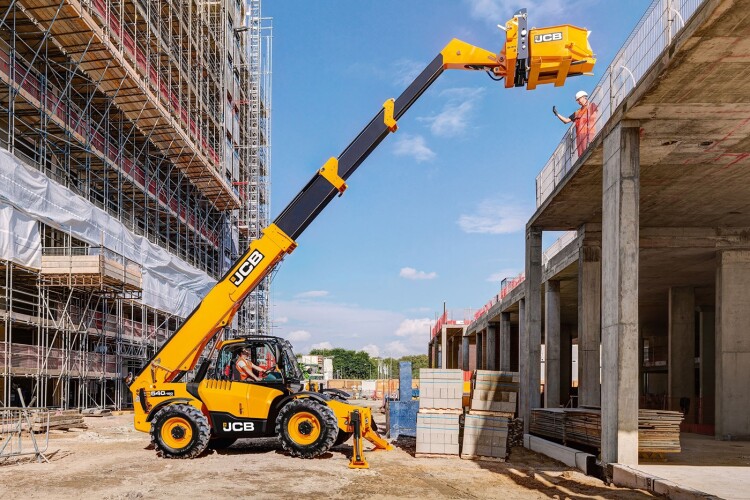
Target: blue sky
436,213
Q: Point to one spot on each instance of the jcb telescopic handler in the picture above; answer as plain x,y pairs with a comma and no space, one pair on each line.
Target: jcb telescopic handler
187,410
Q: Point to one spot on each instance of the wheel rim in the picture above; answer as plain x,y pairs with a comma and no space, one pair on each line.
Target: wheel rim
304,428
176,432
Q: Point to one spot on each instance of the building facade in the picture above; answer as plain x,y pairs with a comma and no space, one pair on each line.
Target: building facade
134,157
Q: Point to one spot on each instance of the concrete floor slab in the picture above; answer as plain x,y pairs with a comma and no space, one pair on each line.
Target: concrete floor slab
719,468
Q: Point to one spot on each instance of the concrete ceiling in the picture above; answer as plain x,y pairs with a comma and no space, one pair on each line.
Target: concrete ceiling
693,108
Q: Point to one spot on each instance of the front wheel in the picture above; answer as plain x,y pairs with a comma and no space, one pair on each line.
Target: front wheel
306,428
179,431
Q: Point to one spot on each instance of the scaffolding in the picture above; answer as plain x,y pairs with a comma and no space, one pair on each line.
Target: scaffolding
254,184
154,112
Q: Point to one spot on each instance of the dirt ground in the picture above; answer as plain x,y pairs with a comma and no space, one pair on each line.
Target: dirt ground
110,460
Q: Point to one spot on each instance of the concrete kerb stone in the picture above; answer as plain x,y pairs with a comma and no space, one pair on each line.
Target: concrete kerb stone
585,462
623,475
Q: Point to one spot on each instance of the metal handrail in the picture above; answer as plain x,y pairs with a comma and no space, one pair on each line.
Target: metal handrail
648,40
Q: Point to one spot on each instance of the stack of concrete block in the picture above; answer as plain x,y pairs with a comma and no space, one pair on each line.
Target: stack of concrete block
440,408
485,437
437,433
441,389
495,391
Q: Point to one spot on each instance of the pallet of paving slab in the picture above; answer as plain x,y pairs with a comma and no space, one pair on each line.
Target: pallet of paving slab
481,458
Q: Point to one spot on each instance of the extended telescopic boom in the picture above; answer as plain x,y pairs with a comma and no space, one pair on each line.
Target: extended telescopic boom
528,58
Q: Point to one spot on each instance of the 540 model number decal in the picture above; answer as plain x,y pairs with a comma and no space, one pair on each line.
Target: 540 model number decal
247,266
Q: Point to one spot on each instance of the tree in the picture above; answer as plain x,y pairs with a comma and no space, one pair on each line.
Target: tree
346,363
417,361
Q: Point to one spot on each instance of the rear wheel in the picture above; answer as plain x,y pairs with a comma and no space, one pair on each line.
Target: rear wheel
306,428
179,431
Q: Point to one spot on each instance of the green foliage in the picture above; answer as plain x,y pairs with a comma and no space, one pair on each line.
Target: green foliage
346,363
359,364
417,361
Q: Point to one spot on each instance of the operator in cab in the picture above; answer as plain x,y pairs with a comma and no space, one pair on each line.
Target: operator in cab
245,366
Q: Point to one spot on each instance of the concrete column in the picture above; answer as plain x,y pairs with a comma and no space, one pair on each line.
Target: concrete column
491,346
531,337
523,361
566,363
552,344
485,349
444,347
465,353
620,198
589,320
707,365
429,354
479,350
732,345
504,343
681,348
457,343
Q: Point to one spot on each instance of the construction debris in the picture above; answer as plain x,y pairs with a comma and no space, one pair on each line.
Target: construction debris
58,420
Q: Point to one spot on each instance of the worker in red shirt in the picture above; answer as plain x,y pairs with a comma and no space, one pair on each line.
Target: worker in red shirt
584,118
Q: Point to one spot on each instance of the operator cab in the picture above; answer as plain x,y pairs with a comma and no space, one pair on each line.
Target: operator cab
273,355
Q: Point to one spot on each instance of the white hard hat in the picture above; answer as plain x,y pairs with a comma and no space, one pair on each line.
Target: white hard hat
581,93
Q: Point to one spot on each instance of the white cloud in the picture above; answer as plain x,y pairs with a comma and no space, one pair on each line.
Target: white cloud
349,326
298,336
414,328
497,277
499,11
410,273
495,217
453,119
312,294
396,349
413,146
372,350
405,71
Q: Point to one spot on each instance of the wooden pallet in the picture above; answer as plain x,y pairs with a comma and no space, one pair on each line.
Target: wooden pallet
482,458
441,411
435,455
488,413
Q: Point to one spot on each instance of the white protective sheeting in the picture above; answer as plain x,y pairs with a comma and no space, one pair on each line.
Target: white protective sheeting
20,241
169,283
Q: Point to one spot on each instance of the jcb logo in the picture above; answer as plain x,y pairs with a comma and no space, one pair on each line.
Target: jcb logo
238,426
246,268
548,37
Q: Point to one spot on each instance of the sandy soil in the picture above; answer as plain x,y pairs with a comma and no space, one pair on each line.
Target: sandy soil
110,460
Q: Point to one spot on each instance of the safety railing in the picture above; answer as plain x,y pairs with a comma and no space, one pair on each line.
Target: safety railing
506,286
451,318
22,429
555,248
663,20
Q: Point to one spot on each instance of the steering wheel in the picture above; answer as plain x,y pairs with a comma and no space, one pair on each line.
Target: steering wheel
268,370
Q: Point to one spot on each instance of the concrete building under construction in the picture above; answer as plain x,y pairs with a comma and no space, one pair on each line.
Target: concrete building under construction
134,160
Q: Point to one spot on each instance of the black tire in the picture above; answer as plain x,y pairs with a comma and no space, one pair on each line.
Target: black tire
179,431
342,438
306,428
220,443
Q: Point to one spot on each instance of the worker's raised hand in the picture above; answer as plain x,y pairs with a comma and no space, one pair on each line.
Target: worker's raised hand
554,110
